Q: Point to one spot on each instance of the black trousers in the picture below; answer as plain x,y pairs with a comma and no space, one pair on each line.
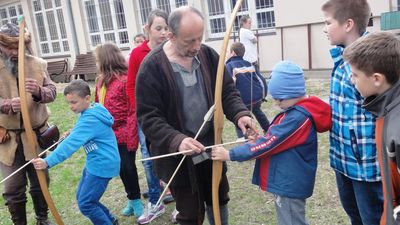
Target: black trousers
128,172
191,205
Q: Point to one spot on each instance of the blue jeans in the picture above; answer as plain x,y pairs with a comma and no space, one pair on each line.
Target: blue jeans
362,201
260,117
153,183
91,188
290,211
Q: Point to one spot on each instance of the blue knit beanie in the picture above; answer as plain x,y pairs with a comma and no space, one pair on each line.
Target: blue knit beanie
287,81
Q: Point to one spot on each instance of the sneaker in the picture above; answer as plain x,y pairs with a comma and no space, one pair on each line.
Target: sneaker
43,222
168,197
134,207
145,194
173,216
151,213
115,221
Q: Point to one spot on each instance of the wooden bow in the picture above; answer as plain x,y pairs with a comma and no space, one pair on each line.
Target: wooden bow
219,116
30,134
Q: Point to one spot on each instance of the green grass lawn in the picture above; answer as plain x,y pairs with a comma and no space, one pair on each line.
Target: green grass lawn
248,204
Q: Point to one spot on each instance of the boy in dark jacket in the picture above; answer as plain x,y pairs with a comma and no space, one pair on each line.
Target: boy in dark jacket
250,83
286,157
375,63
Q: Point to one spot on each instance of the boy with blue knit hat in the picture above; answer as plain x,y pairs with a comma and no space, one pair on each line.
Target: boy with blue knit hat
286,157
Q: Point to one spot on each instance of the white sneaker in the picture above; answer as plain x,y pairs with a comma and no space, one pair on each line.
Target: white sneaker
151,213
173,216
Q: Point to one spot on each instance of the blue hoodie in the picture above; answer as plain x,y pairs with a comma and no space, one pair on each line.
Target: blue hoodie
92,131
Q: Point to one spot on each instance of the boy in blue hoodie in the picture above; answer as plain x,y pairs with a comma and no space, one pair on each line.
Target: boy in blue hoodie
286,157
92,131
250,83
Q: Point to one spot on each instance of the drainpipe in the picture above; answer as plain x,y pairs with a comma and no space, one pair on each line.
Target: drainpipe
72,26
309,46
282,48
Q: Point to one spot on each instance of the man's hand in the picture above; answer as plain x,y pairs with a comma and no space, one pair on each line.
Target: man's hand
245,123
39,164
191,144
220,153
16,104
32,86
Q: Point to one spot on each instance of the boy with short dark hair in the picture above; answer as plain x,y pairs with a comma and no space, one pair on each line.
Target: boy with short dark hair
286,157
250,83
375,63
352,137
93,131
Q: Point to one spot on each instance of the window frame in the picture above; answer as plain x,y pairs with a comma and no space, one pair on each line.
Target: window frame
101,32
153,5
252,11
62,34
8,18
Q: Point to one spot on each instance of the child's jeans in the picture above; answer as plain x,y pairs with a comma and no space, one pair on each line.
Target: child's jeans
290,211
88,195
362,201
153,182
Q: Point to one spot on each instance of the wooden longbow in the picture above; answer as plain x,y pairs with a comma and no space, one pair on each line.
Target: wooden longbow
219,116
30,134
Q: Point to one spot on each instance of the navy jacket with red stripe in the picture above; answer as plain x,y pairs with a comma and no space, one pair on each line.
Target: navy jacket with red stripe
286,157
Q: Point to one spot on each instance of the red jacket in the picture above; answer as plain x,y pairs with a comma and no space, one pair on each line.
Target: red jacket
116,102
136,58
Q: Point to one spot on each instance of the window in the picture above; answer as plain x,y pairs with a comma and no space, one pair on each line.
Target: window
265,14
50,23
179,3
145,7
164,5
216,14
10,13
219,11
106,22
243,10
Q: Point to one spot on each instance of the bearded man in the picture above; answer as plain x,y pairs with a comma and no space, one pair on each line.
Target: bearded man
13,140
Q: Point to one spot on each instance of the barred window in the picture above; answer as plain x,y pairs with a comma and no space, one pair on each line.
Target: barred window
179,3
106,22
219,12
10,13
216,12
145,7
265,14
243,10
164,5
50,24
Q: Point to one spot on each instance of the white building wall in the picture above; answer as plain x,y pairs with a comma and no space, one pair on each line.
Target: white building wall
290,13
320,48
295,45
298,23
270,51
